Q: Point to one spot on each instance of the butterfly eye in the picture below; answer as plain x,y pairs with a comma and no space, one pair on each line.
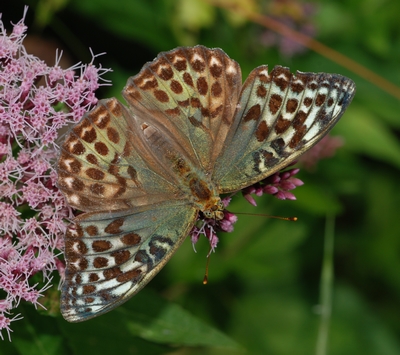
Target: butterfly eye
208,214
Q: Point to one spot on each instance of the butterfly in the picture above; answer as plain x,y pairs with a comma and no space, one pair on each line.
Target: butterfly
191,131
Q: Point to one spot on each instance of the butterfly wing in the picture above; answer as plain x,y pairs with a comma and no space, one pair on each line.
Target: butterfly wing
105,163
112,255
279,117
191,94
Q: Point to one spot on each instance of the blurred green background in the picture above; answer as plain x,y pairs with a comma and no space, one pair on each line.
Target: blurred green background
265,278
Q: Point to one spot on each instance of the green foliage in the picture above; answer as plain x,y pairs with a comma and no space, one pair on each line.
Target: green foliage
264,278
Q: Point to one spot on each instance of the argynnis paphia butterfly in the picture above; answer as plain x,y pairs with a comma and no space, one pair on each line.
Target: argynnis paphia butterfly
191,131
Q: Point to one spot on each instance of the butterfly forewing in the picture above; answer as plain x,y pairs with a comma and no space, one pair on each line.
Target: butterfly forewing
112,255
279,117
191,93
104,166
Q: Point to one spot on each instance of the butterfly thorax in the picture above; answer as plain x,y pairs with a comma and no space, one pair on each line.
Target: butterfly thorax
194,183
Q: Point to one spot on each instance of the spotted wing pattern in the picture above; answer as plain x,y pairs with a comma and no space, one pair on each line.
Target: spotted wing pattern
191,93
104,163
279,117
113,255
190,132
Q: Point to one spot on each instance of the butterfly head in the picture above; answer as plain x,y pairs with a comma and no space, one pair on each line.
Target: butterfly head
216,212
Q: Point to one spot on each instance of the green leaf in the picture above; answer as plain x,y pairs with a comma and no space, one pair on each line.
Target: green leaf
151,321
147,21
367,135
166,322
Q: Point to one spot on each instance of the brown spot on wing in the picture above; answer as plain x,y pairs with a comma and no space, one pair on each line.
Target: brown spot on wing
253,113
129,275
121,256
281,77
176,87
275,103
262,131
86,289
313,86
216,71
297,88
91,158
299,119
77,184
161,96
195,102
102,119
76,246
291,105
101,245
180,65
216,89
93,277
100,262
112,273
101,148
92,230
320,99
202,85
173,112
187,78
166,73
217,112
85,131
198,65
114,226
307,101
184,103
113,135
131,239
122,187
297,137
281,125
97,189
95,174
78,148
261,91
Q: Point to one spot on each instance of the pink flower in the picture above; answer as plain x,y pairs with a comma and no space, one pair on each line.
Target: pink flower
279,185
32,209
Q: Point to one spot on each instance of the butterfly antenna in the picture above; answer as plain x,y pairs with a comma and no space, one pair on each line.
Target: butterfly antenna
205,280
293,219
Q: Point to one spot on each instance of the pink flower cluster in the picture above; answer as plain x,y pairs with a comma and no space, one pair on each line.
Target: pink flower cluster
278,185
36,100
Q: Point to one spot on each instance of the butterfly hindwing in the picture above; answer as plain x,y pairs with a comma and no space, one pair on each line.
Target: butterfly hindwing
279,117
112,255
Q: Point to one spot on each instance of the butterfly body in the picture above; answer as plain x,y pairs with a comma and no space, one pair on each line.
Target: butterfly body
190,132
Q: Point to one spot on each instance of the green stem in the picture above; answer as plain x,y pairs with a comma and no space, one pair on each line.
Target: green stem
326,287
